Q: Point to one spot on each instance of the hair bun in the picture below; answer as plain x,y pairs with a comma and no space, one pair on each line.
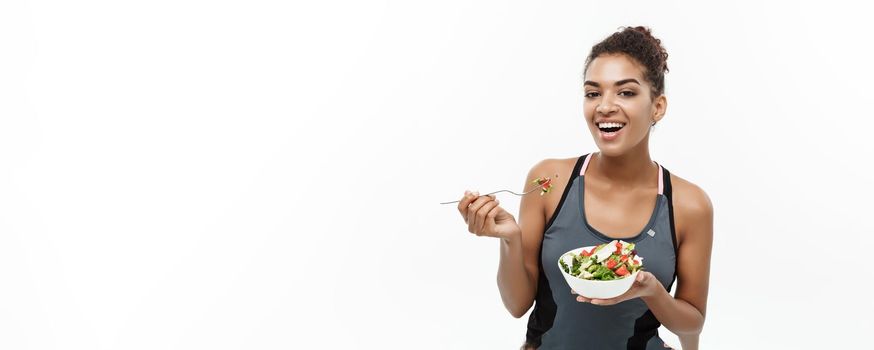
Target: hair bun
662,54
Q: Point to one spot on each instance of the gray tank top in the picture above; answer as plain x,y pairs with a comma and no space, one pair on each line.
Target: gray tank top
558,321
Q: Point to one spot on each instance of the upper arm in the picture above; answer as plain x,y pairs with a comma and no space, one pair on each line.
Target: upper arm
532,222
695,246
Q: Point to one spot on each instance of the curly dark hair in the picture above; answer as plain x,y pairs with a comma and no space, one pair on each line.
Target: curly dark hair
639,44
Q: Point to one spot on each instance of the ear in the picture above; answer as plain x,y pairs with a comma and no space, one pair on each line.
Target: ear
660,106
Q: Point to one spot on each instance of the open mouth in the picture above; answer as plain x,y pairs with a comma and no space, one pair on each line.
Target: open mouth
610,127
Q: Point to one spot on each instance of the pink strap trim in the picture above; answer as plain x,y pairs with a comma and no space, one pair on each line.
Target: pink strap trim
585,164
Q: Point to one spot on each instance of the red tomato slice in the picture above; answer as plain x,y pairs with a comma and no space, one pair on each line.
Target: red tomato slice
622,271
611,264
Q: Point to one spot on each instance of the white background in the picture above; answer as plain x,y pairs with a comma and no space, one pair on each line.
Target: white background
266,175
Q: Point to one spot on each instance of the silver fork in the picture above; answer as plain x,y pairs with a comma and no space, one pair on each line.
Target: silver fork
536,187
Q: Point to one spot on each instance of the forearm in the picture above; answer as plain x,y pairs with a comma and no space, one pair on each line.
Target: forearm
689,341
517,290
676,315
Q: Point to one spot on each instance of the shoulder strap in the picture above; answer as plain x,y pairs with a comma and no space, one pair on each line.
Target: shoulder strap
669,193
564,194
585,164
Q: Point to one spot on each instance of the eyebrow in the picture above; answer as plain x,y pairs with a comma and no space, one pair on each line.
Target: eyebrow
623,81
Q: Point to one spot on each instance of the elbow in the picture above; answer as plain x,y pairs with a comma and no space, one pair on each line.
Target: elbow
694,330
517,311
516,298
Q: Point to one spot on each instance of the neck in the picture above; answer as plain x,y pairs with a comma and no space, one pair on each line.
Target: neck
630,170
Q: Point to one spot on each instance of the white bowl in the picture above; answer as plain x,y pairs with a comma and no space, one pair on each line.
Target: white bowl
594,288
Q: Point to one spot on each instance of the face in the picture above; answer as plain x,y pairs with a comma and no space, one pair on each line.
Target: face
616,91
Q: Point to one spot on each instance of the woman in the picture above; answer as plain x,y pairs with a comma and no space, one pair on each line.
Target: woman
615,193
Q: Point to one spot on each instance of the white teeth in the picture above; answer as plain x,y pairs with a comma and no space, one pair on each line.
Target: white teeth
610,125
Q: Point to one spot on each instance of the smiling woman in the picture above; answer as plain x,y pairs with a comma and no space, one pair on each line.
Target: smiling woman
624,195
634,55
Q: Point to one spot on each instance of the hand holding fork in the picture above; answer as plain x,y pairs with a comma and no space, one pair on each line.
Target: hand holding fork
544,184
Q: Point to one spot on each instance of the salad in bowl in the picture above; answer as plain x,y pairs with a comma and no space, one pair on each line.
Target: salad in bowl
603,271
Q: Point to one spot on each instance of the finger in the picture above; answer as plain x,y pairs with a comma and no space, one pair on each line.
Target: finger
465,208
604,302
583,299
463,203
473,208
482,215
483,212
609,301
490,223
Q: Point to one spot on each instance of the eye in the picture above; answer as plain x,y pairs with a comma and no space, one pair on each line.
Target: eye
589,94
630,93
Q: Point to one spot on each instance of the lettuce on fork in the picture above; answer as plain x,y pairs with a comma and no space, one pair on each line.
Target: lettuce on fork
545,184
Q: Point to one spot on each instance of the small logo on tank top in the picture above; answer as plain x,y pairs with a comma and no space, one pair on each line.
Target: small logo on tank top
651,233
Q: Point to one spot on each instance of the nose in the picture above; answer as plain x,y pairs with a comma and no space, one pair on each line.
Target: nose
606,107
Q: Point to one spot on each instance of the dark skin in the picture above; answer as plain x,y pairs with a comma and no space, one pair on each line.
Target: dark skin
621,183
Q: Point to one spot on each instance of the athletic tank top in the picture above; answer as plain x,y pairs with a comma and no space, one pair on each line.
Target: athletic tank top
558,320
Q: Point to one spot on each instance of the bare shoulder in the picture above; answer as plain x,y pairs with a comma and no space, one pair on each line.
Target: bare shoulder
692,206
559,169
554,165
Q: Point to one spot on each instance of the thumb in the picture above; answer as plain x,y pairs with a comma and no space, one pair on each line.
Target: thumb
642,277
